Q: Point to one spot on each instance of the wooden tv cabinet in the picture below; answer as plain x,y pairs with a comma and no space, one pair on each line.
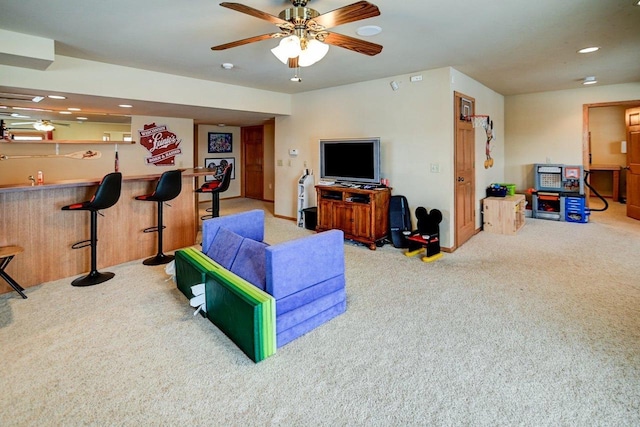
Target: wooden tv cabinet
363,215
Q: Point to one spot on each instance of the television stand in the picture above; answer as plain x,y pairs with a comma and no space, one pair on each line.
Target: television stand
363,215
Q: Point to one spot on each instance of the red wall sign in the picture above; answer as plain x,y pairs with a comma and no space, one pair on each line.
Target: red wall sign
163,145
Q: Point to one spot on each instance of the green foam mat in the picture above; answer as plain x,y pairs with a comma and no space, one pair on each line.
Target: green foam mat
243,312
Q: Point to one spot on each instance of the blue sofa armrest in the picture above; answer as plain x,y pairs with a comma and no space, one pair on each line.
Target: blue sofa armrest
299,264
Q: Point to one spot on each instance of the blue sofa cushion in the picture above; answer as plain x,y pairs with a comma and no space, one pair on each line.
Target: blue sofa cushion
292,318
248,224
250,262
224,247
309,295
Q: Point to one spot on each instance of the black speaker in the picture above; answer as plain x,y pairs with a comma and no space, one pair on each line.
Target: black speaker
399,220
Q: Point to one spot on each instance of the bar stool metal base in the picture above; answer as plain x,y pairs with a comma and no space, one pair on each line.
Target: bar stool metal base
158,260
93,278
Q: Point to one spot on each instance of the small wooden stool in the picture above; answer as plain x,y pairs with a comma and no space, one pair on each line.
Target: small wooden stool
6,255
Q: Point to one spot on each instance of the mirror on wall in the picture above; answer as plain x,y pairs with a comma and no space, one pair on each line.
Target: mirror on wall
30,115
22,130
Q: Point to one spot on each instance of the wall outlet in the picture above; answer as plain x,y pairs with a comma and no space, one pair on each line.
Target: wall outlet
416,78
435,167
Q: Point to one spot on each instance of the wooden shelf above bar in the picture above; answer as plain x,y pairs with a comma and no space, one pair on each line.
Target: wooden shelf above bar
66,141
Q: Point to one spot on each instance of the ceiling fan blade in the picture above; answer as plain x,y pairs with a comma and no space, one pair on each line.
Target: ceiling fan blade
353,12
253,12
352,43
243,42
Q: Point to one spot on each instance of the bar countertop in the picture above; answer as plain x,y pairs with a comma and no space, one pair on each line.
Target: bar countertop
8,188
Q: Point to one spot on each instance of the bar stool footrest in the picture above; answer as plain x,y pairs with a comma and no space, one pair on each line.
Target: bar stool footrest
153,229
81,244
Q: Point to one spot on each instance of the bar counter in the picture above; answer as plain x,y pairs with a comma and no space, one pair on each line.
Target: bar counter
31,217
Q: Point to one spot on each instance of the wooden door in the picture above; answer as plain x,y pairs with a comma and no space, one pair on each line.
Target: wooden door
253,153
464,158
632,116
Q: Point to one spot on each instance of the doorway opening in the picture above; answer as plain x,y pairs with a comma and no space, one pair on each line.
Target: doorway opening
605,155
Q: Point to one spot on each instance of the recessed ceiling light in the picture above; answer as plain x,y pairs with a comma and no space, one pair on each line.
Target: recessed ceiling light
73,109
221,125
56,97
81,118
65,112
125,106
589,80
227,65
368,30
589,49
37,98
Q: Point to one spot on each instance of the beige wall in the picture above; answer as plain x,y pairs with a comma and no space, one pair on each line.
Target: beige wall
415,124
547,127
96,78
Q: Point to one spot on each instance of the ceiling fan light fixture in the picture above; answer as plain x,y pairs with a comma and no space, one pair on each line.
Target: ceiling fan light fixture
289,47
315,51
43,126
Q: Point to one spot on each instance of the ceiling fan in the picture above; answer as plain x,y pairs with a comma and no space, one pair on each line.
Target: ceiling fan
41,125
304,34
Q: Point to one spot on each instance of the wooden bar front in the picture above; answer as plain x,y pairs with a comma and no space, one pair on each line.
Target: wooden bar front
31,217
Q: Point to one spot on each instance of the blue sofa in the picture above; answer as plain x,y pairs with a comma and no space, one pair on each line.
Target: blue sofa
303,278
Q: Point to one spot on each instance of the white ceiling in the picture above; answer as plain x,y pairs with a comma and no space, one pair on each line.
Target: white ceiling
511,46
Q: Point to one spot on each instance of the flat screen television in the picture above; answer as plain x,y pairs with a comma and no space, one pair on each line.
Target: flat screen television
350,160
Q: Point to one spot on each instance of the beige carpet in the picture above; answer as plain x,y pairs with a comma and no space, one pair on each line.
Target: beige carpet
538,329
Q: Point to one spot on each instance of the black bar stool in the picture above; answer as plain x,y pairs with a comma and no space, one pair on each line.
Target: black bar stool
6,255
168,188
106,195
215,188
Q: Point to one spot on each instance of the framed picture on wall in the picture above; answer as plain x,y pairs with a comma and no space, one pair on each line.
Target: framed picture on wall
218,164
219,142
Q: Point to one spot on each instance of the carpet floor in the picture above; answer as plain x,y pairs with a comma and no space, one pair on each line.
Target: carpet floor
537,329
